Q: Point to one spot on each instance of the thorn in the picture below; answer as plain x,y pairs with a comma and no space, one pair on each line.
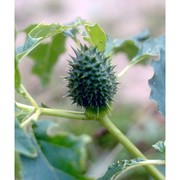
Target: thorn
75,51
85,48
82,47
73,58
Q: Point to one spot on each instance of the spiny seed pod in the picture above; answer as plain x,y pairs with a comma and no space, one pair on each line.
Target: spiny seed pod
91,81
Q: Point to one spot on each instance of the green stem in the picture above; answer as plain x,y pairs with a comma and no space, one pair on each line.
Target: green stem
24,107
28,97
129,146
64,113
126,69
34,117
144,163
82,116
51,112
139,164
28,116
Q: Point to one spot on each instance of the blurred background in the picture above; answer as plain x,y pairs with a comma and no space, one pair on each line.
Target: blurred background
133,112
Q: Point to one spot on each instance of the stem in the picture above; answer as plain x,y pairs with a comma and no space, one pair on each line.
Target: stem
55,112
143,163
28,116
129,146
156,162
82,116
64,113
126,69
34,117
28,97
24,106
51,112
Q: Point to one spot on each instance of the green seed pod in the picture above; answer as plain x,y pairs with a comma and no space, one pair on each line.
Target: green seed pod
91,81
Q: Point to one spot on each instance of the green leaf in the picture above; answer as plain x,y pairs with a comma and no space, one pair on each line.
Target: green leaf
64,152
160,146
160,42
29,28
17,78
138,48
97,36
157,82
128,46
22,114
17,167
117,168
45,31
23,143
72,33
149,49
39,168
142,36
36,36
46,55
28,46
